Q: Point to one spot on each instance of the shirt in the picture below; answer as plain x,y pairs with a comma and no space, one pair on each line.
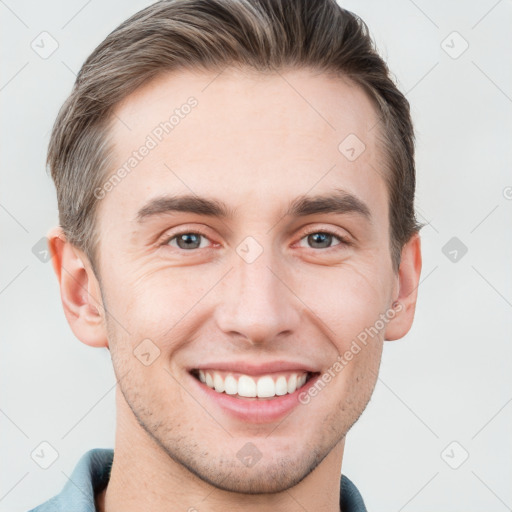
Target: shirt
92,473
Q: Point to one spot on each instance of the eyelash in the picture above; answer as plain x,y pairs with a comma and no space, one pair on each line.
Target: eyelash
343,240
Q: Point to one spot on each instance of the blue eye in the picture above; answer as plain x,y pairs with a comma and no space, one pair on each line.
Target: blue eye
187,241
322,239
190,240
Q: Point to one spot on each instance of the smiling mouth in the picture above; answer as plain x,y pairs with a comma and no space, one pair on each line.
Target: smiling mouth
267,386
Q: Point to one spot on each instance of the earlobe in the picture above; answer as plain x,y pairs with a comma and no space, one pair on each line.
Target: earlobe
79,289
408,281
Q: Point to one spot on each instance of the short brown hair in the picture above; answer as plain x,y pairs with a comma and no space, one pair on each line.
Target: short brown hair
265,35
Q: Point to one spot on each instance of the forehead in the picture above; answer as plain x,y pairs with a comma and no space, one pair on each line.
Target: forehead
250,138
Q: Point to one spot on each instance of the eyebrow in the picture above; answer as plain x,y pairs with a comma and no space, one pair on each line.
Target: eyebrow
340,202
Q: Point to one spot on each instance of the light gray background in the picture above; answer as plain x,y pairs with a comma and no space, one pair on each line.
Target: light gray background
448,380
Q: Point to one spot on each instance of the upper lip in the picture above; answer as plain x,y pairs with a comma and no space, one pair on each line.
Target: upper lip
255,369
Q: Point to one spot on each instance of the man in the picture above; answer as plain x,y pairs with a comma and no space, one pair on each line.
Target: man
235,181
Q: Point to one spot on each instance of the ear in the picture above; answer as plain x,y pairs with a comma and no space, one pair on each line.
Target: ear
408,282
79,289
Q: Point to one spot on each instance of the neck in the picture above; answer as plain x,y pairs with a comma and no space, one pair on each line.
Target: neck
145,477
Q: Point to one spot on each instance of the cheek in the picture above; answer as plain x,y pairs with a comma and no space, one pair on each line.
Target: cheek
164,303
347,299
163,307
156,300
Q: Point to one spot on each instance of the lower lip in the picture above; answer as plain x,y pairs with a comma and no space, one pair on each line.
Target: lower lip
255,410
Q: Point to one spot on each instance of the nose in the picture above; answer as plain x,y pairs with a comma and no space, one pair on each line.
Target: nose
257,303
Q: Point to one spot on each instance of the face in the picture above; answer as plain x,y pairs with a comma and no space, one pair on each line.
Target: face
255,273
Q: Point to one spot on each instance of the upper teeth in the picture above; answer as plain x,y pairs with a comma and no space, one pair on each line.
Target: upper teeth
246,386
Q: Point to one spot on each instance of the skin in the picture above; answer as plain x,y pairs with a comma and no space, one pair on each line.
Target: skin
256,144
